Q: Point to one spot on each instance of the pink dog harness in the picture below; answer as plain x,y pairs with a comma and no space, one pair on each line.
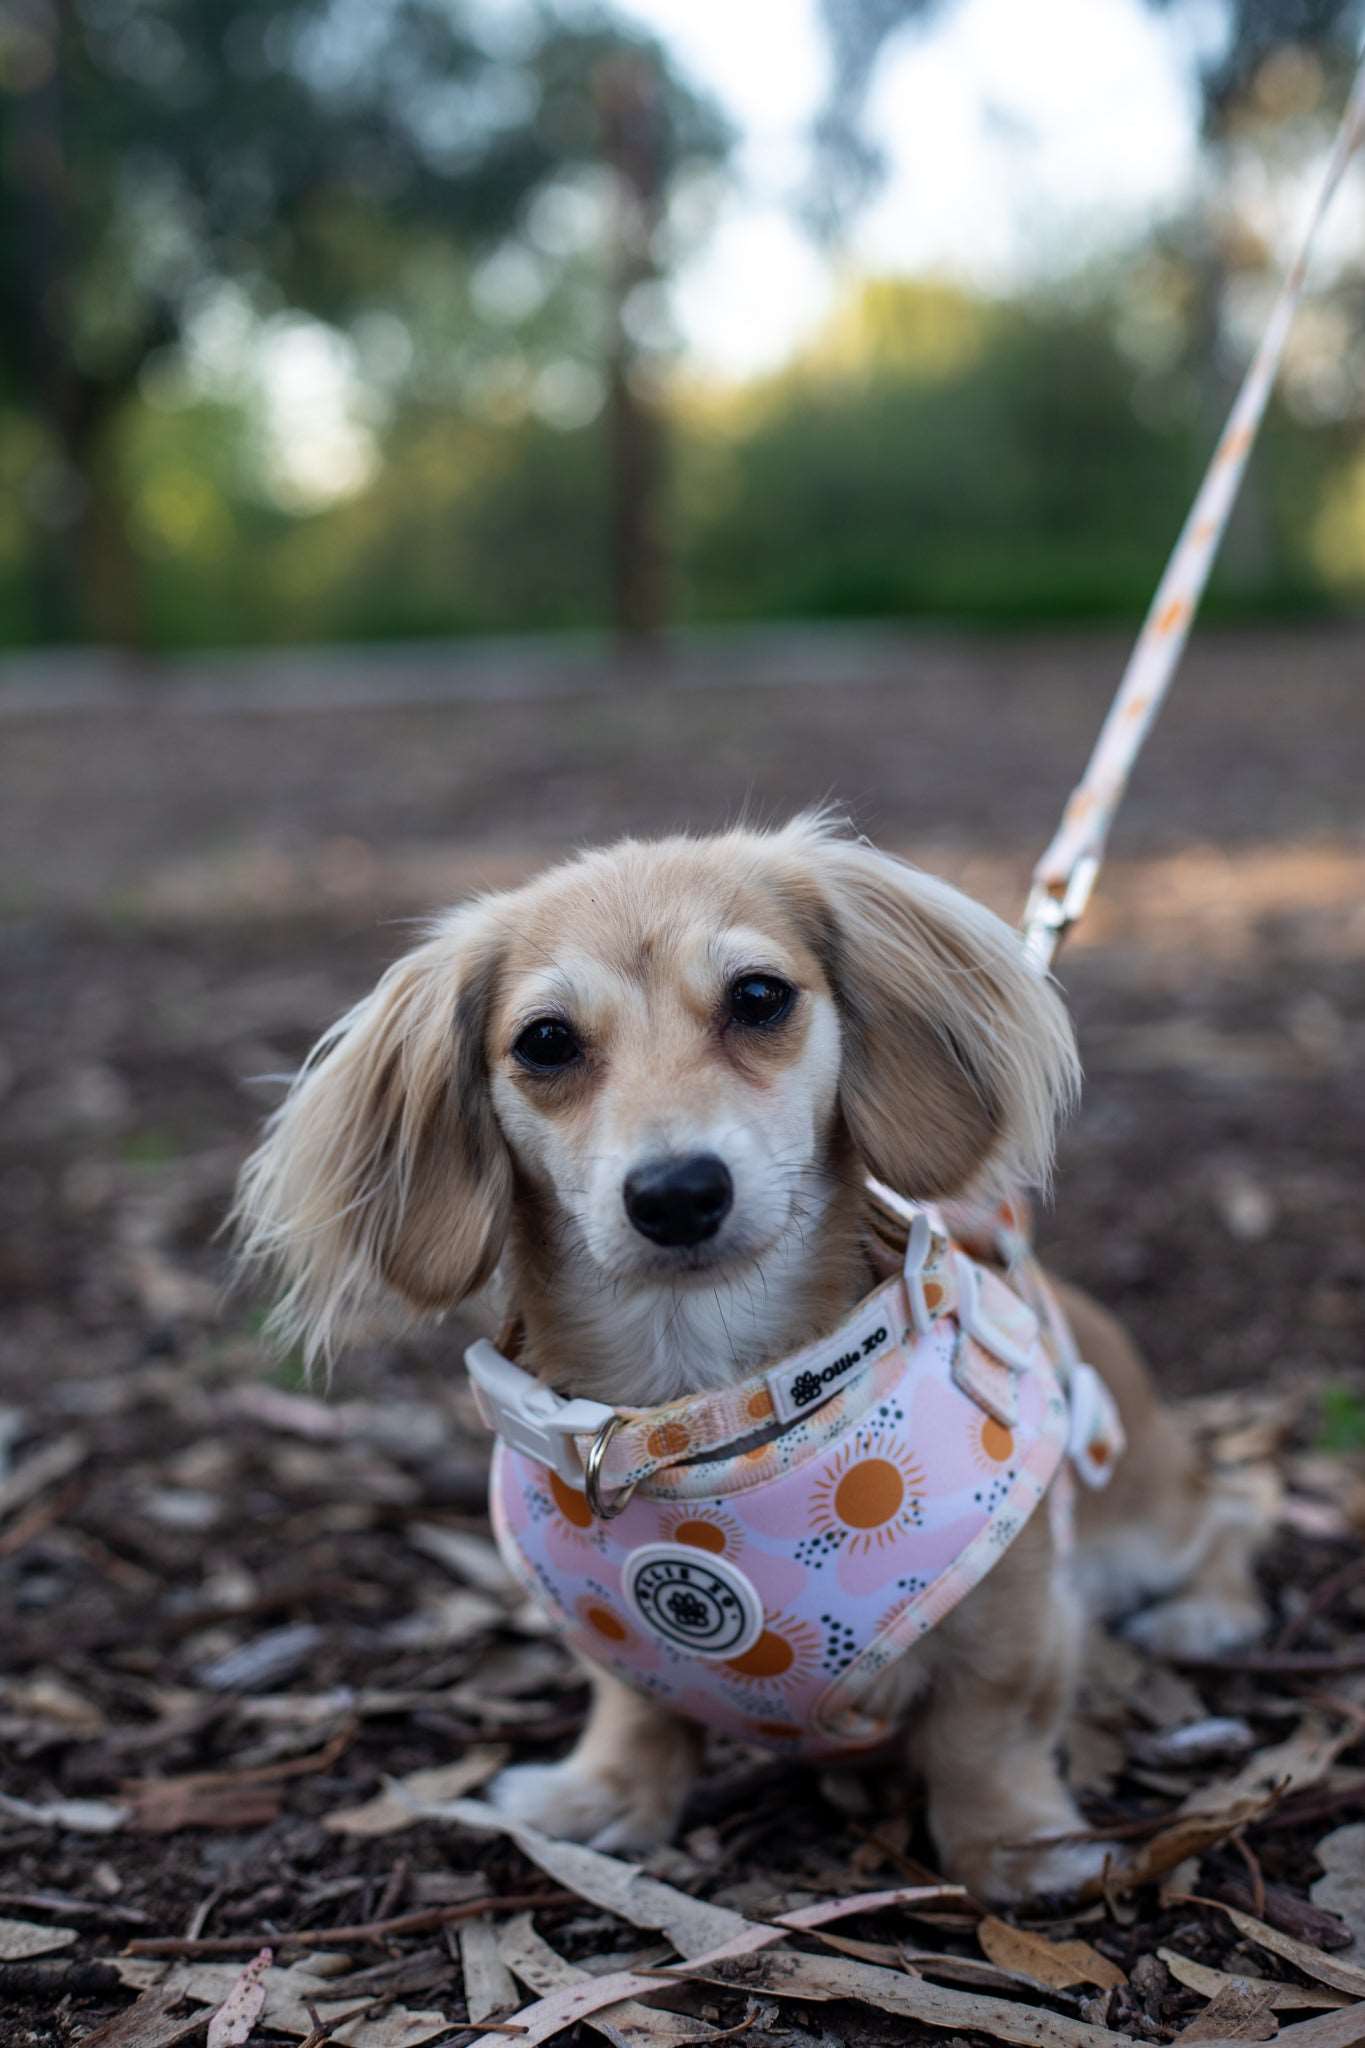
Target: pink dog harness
767,1550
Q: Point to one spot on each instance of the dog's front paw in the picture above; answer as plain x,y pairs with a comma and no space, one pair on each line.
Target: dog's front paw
579,1805
1012,1873
1198,1625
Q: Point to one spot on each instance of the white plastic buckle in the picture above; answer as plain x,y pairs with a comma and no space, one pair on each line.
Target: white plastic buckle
530,1417
1096,1440
973,1319
925,1246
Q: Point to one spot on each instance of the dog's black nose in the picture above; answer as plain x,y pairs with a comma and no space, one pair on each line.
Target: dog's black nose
679,1201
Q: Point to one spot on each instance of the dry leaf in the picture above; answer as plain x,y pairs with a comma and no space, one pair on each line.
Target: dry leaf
1240,2012
1188,1835
574,2002
231,2025
472,1558
1283,1997
1290,1766
785,1975
1342,1889
288,1994
543,1969
690,1924
1052,1965
1314,1962
488,1986
1344,2029
20,1939
405,1801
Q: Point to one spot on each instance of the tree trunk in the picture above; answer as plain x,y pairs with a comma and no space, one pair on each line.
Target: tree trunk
629,110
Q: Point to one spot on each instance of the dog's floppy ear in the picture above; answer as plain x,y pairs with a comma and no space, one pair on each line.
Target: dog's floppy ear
958,1054
384,1168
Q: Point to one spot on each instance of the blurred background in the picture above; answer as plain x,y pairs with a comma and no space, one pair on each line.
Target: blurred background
438,433
433,318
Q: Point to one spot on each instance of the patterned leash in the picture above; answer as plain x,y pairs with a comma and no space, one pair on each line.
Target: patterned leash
1065,876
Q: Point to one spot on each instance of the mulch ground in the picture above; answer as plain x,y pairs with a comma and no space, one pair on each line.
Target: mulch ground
234,1609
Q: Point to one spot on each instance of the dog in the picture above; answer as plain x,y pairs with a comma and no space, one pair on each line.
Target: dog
637,1102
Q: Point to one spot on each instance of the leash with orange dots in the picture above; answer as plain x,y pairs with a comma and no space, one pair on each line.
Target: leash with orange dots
1066,874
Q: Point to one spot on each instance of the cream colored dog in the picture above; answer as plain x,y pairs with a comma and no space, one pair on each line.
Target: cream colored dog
639,1097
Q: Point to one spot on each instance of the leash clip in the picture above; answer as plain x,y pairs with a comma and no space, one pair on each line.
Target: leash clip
1053,908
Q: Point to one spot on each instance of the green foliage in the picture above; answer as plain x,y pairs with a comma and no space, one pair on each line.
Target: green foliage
932,456
334,157
1343,1420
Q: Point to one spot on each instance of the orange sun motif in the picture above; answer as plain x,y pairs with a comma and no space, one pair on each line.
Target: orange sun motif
785,1653
602,1621
572,1504
868,1493
702,1529
992,1445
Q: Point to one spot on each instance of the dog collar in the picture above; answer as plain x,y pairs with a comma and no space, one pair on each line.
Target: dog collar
598,1448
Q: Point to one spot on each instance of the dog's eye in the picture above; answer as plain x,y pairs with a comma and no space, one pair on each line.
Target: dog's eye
759,999
547,1045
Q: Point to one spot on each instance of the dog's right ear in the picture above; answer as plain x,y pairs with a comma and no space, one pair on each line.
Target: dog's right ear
385,1169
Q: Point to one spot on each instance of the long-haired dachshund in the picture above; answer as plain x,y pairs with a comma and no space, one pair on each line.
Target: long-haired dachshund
639,1099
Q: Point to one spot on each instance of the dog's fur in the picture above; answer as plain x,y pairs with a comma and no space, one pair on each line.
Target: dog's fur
416,1158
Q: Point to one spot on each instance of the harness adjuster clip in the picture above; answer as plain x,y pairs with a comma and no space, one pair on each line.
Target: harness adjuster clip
530,1417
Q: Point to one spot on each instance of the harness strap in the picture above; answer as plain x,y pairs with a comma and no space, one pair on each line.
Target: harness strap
617,1448
1066,874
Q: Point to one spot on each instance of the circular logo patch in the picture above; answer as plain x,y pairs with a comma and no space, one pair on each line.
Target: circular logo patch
695,1602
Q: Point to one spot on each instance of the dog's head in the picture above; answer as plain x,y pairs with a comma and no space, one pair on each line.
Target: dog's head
658,1058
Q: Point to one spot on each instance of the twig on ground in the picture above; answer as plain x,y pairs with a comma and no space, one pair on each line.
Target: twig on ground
369,1930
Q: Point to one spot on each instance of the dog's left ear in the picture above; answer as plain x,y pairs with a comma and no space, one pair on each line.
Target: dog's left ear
384,1172
958,1058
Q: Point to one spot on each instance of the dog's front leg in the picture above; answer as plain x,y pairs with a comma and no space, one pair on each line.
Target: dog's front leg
1003,1674
623,1784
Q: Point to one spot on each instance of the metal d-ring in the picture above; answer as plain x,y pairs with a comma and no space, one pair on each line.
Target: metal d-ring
592,1473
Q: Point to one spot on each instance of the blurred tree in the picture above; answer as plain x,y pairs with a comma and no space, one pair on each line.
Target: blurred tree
1275,65
311,152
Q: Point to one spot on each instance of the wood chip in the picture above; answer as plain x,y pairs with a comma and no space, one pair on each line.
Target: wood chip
406,1801
81,1816
21,1938
471,1558
42,1468
164,1806
1052,1965
158,2020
